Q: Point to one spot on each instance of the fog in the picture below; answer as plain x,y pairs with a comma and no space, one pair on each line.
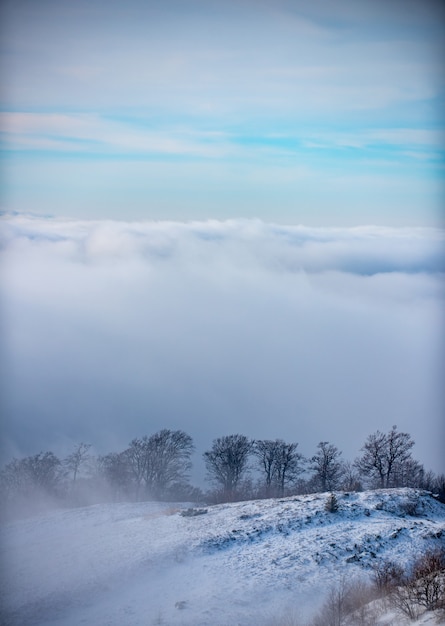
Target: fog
113,330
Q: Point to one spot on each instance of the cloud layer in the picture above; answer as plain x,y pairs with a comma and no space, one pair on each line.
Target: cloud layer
113,330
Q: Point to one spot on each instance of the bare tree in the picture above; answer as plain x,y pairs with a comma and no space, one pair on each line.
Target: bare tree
43,471
34,481
12,479
408,474
280,462
226,462
77,458
169,453
428,480
137,456
350,478
159,461
439,487
267,451
372,463
289,465
398,457
385,457
115,469
327,466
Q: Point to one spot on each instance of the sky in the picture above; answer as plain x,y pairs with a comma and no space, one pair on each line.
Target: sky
318,113
222,217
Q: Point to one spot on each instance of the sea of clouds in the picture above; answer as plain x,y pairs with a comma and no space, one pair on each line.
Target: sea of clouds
112,330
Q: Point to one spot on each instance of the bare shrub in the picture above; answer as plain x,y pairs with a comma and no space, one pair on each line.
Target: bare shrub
358,603
387,576
424,589
402,599
410,507
348,604
193,512
428,580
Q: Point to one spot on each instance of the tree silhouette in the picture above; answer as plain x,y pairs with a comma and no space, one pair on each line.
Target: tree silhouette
226,462
327,466
386,457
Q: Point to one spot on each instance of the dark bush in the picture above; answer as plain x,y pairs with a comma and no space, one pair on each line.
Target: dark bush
332,503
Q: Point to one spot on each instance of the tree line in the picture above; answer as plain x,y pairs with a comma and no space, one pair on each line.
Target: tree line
386,461
157,467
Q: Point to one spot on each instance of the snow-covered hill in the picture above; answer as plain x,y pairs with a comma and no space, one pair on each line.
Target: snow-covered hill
240,563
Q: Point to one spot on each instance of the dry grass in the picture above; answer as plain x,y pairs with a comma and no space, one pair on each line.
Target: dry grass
170,511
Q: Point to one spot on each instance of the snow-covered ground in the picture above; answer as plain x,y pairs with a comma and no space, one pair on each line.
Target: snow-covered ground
142,564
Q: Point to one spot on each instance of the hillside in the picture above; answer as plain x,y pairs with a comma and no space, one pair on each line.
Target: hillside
240,563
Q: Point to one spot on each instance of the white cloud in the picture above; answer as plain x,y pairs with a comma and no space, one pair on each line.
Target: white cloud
116,329
93,134
395,137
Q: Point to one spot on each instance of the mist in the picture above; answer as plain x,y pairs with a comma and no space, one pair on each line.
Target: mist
112,330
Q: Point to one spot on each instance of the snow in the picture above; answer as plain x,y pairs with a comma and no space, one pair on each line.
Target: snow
137,564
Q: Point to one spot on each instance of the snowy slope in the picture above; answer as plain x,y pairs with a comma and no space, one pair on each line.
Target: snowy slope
239,563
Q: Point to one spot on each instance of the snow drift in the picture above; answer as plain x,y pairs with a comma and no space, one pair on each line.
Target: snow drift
240,563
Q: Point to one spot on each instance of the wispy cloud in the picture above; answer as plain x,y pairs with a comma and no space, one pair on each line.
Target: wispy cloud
95,135
92,134
261,91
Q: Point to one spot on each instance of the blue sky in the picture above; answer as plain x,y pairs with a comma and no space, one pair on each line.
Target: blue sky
292,112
